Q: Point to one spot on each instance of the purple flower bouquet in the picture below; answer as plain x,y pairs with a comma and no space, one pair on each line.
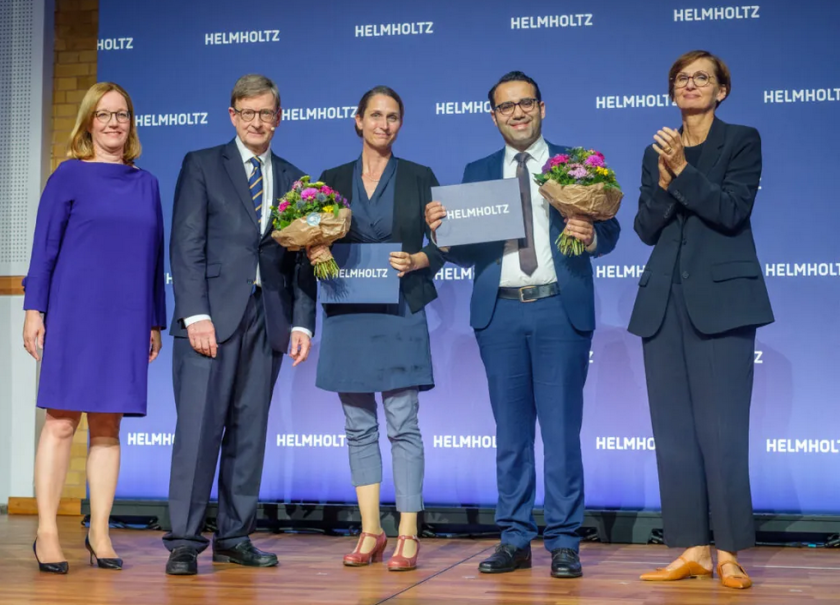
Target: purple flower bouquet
579,184
312,214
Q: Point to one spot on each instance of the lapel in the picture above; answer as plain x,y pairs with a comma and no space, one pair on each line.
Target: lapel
341,180
496,165
232,161
711,150
555,219
555,149
282,184
402,199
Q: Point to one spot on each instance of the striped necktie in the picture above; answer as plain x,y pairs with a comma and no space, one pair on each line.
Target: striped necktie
255,184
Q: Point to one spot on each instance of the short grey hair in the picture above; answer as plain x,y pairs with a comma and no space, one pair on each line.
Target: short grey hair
253,85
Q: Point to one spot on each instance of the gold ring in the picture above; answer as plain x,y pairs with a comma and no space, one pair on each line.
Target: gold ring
668,150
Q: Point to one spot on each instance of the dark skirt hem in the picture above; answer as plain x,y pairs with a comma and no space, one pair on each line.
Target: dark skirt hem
395,387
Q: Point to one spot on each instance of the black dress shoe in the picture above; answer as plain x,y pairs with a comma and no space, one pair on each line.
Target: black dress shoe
113,563
60,567
183,561
245,553
565,563
506,558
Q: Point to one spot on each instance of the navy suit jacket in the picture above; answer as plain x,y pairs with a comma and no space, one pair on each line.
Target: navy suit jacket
721,277
215,247
574,274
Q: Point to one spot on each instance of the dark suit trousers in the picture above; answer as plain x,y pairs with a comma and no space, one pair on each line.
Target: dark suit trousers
700,387
536,364
221,402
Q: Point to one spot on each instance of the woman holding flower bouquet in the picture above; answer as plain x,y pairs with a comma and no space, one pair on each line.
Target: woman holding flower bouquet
701,298
367,349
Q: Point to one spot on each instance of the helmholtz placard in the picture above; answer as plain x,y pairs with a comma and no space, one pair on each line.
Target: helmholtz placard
365,275
488,211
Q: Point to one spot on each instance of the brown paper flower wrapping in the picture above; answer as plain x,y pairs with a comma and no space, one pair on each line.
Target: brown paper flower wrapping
300,234
593,201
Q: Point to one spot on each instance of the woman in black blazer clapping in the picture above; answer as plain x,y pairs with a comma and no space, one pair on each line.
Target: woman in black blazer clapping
367,349
701,297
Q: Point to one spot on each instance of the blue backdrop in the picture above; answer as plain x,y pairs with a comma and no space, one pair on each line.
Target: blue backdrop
603,69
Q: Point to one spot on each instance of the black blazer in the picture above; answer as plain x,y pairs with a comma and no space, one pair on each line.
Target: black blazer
720,273
215,246
413,190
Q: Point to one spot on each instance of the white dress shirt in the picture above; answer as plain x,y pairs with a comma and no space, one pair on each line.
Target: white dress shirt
512,275
268,186
265,219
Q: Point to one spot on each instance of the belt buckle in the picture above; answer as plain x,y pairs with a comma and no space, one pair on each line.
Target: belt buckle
522,294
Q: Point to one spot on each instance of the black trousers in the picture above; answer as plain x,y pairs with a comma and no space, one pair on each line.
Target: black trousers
222,404
699,388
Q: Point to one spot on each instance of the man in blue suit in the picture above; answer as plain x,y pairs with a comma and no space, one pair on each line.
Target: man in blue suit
241,300
533,313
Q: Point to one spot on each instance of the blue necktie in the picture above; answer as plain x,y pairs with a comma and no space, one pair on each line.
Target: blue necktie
255,184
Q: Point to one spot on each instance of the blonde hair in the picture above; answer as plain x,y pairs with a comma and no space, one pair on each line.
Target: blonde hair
80,146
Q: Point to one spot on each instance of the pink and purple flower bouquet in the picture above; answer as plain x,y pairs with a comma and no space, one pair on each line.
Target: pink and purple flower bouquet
312,214
579,184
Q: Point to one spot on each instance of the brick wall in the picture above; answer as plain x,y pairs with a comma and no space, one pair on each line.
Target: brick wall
76,32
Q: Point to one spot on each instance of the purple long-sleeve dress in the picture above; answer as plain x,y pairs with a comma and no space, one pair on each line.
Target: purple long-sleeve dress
97,274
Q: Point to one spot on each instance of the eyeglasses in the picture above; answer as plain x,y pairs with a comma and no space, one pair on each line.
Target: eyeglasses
508,107
266,115
701,79
105,116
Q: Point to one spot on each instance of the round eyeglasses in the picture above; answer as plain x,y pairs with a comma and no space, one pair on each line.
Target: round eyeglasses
700,79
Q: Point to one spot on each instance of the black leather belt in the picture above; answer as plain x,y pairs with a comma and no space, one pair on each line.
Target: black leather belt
530,293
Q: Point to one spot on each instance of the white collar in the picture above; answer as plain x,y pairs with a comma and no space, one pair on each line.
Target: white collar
537,149
247,154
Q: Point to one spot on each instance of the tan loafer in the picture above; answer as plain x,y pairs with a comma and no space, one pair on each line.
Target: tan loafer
688,569
735,580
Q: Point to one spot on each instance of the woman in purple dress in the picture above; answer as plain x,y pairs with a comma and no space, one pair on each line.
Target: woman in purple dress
95,307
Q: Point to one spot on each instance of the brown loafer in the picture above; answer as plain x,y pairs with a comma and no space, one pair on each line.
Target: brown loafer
735,580
688,569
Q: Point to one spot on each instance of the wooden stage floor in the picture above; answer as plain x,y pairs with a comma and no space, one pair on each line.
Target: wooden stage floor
310,572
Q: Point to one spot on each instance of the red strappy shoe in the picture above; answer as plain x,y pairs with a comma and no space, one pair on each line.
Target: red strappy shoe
358,559
398,562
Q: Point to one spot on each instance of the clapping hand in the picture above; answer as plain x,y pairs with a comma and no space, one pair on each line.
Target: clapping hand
665,174
670,148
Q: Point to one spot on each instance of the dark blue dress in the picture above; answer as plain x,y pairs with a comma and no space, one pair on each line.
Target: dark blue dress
374,348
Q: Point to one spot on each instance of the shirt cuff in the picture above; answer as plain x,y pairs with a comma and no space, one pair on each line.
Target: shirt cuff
591,247
188,321
304,330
